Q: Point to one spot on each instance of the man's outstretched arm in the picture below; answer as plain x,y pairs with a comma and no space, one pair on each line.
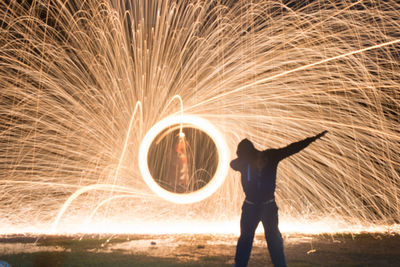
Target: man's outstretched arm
295,147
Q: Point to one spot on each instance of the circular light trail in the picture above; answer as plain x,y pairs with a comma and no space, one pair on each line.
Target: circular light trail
194,122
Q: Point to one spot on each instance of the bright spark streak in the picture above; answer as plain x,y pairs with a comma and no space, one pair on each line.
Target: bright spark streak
261,81
76,194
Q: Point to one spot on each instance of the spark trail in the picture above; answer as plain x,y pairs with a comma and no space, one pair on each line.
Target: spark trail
72,75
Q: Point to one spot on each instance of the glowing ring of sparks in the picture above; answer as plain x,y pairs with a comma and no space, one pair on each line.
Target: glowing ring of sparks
212,132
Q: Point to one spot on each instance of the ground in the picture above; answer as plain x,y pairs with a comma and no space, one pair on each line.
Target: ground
363,249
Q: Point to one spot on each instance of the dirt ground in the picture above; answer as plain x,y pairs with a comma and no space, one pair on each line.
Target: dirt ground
364,249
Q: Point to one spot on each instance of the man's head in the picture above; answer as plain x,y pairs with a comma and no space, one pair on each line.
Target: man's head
245,149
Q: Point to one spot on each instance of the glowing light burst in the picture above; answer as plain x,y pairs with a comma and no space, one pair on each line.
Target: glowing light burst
223,159
82,83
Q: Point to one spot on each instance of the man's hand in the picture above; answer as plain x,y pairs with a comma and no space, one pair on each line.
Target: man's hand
321,134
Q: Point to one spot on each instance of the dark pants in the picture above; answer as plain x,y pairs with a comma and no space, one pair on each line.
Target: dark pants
252,214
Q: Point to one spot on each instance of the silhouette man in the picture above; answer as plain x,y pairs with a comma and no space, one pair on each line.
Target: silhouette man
258,172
